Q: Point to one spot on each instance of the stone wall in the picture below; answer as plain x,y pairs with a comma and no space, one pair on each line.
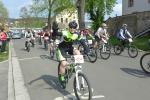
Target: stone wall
136,22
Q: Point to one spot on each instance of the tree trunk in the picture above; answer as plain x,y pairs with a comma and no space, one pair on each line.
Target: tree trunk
81,13
49,16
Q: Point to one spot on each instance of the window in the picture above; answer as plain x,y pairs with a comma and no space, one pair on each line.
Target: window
66,20
61,20
130,3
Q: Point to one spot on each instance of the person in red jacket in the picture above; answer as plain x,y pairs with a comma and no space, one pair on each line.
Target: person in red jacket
3,39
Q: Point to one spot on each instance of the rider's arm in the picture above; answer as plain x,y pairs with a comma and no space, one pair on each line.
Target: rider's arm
128,33
121,34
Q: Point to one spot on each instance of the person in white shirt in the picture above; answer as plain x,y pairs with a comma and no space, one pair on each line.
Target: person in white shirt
101,34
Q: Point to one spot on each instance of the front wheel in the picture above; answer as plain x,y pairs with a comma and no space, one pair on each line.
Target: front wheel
145,63
132,51
82,87
117,49
92,55
28,47
105,52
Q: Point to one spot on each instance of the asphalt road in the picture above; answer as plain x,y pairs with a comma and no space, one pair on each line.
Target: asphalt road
118,78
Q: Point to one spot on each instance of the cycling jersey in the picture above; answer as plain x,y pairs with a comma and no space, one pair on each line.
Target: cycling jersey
66,44
123,34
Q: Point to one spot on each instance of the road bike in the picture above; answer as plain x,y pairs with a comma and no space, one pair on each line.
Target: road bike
81,84
145,62
132,50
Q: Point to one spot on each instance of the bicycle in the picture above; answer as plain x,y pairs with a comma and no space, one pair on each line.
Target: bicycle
132,50
28,45
80,83
104,49
145,62
92,54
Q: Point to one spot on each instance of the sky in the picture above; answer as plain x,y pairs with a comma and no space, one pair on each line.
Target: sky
14,6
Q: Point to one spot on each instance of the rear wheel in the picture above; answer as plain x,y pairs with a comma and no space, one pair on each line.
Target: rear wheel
145,63
84,89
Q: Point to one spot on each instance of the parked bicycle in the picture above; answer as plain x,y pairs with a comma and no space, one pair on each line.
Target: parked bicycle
81,84
132,50
145,62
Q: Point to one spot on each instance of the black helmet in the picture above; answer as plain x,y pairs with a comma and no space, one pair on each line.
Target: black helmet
73,25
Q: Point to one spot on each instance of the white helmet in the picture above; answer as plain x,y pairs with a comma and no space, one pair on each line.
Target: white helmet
104,25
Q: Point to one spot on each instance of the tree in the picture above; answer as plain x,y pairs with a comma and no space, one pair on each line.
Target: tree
81,13
3,13
50,8
98,9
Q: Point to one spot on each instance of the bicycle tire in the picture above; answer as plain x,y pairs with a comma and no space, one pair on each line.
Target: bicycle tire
117,49
106,53
88,84
94,53
142,62
81,49
28,47
132,51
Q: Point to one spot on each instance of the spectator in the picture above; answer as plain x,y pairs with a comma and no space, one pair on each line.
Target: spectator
3,38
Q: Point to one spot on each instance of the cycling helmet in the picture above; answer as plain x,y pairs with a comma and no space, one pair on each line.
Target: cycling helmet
104,25
73,25
124,25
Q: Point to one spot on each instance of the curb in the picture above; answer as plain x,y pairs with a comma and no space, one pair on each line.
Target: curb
16,87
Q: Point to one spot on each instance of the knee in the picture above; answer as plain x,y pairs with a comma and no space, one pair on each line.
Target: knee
76,52
63,63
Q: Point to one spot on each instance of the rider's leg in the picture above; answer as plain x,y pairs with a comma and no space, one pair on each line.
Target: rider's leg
83,43
63,64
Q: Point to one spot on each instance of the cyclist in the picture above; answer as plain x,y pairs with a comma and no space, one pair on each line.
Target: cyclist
83,37
29,37
65,46
101,34
124,35
46,36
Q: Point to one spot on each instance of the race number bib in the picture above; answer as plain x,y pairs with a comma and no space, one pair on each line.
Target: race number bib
57,41
130,40
79,59
89,41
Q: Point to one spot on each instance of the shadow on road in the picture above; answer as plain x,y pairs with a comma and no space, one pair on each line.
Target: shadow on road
53,82
47,57
135,72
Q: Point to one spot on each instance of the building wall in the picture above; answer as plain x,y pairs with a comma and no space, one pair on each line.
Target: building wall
138,6
136,22
65,17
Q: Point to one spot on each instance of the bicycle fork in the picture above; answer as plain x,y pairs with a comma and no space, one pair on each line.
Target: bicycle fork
77,79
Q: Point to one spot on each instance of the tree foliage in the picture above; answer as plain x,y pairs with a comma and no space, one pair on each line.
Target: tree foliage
50,8
3,13
98,9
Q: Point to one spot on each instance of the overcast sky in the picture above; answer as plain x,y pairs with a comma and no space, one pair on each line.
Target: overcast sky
14,6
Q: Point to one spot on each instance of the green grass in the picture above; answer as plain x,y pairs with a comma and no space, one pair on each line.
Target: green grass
4,56
142,43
